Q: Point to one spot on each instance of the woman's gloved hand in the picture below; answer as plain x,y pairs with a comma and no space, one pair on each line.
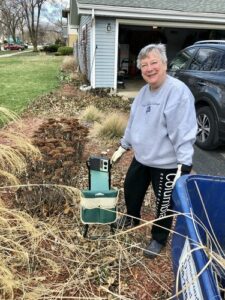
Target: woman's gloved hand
181,170
117,154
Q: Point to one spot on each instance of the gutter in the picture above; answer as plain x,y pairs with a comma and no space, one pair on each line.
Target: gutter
152,14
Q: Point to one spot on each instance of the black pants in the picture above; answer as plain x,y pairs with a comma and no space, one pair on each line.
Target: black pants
136,183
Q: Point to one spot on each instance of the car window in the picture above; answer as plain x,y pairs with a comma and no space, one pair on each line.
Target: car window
180,61
222,62
206,60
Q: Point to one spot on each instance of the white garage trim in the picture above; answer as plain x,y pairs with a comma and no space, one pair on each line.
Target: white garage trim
172,24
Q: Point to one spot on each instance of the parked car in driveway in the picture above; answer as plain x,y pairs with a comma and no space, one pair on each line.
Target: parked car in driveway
202,67
13,47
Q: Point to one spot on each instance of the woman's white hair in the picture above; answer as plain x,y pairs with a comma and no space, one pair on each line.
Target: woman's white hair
160,48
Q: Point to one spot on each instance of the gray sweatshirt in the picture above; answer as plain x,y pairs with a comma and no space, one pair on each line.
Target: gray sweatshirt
162,125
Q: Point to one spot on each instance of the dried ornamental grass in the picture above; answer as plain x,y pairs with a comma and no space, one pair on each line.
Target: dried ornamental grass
6,115
8,178
52,260
11,159
92,114
69,64
23,144
113,127
15,150
58,263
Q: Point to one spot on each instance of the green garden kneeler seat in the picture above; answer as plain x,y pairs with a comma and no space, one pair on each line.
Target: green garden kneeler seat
98,202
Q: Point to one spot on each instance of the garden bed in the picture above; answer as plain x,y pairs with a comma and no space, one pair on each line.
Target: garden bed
62,264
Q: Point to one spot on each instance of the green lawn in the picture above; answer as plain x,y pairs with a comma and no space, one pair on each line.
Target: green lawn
25,76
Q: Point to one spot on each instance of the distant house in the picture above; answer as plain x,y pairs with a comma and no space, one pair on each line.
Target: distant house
111,33
70,30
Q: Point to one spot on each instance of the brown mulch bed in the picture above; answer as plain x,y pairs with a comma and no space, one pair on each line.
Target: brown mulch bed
68,102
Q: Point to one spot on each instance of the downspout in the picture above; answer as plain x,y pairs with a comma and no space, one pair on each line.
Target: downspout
93,48
116,55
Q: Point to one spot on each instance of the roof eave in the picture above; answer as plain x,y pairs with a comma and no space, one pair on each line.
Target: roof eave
151,14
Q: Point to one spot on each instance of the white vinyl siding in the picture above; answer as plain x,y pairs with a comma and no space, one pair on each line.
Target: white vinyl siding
105,53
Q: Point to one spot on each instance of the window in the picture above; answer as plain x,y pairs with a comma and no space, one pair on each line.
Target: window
206,60
222,63
180,61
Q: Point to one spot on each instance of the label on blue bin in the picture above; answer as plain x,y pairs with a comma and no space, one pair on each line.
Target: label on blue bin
188,275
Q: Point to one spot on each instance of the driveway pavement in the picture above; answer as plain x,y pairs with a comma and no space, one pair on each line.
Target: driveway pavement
131,87
210,162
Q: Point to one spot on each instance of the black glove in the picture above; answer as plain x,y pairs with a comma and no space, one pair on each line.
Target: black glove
185,170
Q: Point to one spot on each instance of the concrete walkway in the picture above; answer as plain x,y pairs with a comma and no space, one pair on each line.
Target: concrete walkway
14,53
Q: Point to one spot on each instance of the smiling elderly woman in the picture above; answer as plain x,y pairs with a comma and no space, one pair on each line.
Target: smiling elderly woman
161,130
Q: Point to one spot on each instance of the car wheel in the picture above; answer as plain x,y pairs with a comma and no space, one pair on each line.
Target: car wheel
207,135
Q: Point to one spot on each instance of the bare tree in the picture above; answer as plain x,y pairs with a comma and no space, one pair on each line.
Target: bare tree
11,17
32,12
22,28
16,15
54,17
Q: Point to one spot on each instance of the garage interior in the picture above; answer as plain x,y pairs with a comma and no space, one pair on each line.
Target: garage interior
132,38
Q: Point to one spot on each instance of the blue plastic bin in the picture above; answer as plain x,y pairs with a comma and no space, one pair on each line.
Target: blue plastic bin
200,200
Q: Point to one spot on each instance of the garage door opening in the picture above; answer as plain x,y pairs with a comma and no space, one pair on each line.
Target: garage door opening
132,38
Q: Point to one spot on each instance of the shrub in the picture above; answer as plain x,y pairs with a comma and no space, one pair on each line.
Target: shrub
51,48
65,50
59,42
61,143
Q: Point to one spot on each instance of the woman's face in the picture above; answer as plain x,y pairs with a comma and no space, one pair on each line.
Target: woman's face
153,69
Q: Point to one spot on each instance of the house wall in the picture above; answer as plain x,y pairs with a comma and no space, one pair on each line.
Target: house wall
72,36
104,53
84,45
72,39
98,62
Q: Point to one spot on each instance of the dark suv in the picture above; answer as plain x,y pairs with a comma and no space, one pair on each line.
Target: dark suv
202,67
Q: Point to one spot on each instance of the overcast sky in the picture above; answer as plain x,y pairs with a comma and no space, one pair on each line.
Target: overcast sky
53,11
